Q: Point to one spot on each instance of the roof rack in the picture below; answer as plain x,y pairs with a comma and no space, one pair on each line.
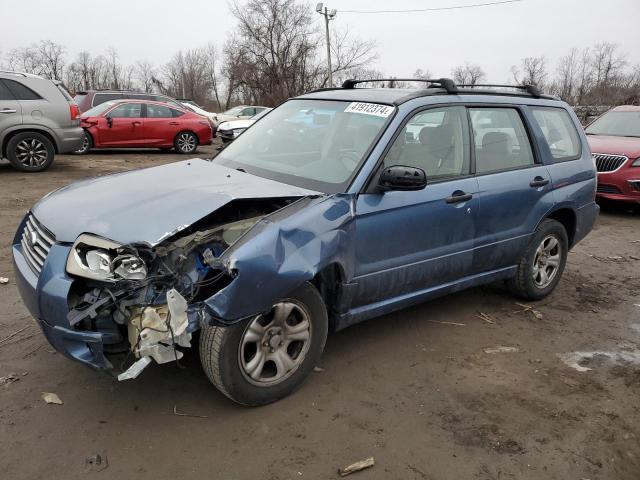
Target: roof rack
530,89
22,74
445,83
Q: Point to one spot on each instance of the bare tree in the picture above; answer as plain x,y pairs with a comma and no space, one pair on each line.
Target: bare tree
468,74
144,73
532,71
422,73
566,83
348,55
211,53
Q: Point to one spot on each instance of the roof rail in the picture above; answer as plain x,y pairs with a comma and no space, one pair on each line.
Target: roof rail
530,89
22,74
445,83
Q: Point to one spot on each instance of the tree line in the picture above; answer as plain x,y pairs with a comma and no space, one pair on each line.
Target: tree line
277,51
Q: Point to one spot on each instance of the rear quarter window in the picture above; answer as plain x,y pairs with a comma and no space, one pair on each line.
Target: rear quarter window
20,91
559,131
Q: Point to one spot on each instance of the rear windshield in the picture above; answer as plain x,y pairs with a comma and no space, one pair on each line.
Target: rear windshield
99,98
617,124
79,98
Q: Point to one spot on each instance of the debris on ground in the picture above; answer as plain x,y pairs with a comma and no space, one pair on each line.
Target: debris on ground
529,308
501,349
9,379
9,337
51,398
318,369
448,323
96,463
4,280
356,467
486,317
175,412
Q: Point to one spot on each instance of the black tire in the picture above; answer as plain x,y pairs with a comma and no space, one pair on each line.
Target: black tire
30,152
87,144
221,353
185,142
524,284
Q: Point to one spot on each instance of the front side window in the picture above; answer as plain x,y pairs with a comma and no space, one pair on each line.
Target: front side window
158,111
127,110
314,144
434,140
616,123
559,132
500,139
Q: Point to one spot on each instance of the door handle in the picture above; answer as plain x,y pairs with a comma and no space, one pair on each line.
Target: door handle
8,110
539,182
459,196
136,123
174,123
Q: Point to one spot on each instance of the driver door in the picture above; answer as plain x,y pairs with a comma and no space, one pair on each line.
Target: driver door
125,128
411,241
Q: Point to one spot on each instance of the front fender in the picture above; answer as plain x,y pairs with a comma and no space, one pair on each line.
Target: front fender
283,251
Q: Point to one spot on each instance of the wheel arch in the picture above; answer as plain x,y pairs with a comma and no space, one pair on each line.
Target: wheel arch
25,129
330,282
568,218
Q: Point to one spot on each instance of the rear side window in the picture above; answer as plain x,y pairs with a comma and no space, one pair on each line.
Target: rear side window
5,93
500,139
20,92
99,98
559,131
176,113
158,111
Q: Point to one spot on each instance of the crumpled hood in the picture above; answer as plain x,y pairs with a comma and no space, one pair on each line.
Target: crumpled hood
149,205
627,146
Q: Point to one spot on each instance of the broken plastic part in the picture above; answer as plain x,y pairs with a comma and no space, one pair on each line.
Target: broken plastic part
134,370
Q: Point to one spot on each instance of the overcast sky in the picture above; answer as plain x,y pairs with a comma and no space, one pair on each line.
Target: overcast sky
495,37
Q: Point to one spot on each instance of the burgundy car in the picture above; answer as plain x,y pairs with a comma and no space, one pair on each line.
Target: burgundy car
614,139
144,124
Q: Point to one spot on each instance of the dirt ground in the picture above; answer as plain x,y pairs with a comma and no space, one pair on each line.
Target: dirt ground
422,397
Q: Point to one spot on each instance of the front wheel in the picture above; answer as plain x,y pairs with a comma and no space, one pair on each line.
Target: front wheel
542,264
267,357
185,142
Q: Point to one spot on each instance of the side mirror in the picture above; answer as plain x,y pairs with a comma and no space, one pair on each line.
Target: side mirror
109,121
399,177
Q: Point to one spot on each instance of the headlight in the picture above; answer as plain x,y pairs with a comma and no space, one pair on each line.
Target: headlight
101,259
636,162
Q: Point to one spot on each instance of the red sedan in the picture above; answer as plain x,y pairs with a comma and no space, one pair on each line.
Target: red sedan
614,139
144,124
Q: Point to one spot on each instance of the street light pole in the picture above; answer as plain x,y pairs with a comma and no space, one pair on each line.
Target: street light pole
328,15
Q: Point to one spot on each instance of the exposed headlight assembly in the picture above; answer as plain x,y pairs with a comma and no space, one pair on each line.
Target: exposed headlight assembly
636,162
238,131
101,259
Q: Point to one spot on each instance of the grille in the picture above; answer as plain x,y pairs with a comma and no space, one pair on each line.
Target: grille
604,188
36,243
608,163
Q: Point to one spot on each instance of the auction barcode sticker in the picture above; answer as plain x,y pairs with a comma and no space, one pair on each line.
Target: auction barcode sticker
369,109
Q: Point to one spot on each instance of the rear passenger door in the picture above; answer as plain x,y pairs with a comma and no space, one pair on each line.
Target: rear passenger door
512,186
161,124
10,109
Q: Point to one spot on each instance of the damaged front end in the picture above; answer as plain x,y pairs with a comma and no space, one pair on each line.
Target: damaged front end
146,301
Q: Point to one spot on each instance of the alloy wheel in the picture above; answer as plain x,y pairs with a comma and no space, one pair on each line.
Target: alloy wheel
546,262
186,142
274,345
31,152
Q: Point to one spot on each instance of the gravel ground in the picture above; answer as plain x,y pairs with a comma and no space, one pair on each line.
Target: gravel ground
428,399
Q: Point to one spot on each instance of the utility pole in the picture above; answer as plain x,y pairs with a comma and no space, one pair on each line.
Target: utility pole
328,15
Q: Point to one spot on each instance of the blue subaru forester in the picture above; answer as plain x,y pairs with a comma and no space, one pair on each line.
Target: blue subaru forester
338,206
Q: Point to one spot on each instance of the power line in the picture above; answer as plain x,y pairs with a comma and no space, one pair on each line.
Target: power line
457,7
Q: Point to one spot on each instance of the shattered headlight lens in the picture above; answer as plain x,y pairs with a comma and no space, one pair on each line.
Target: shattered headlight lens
99,259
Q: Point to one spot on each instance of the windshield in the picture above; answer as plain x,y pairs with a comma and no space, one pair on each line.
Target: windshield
618,124
98,109
312,144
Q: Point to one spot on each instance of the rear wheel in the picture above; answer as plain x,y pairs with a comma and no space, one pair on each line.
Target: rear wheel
542,264
30,152
267,357
185,142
